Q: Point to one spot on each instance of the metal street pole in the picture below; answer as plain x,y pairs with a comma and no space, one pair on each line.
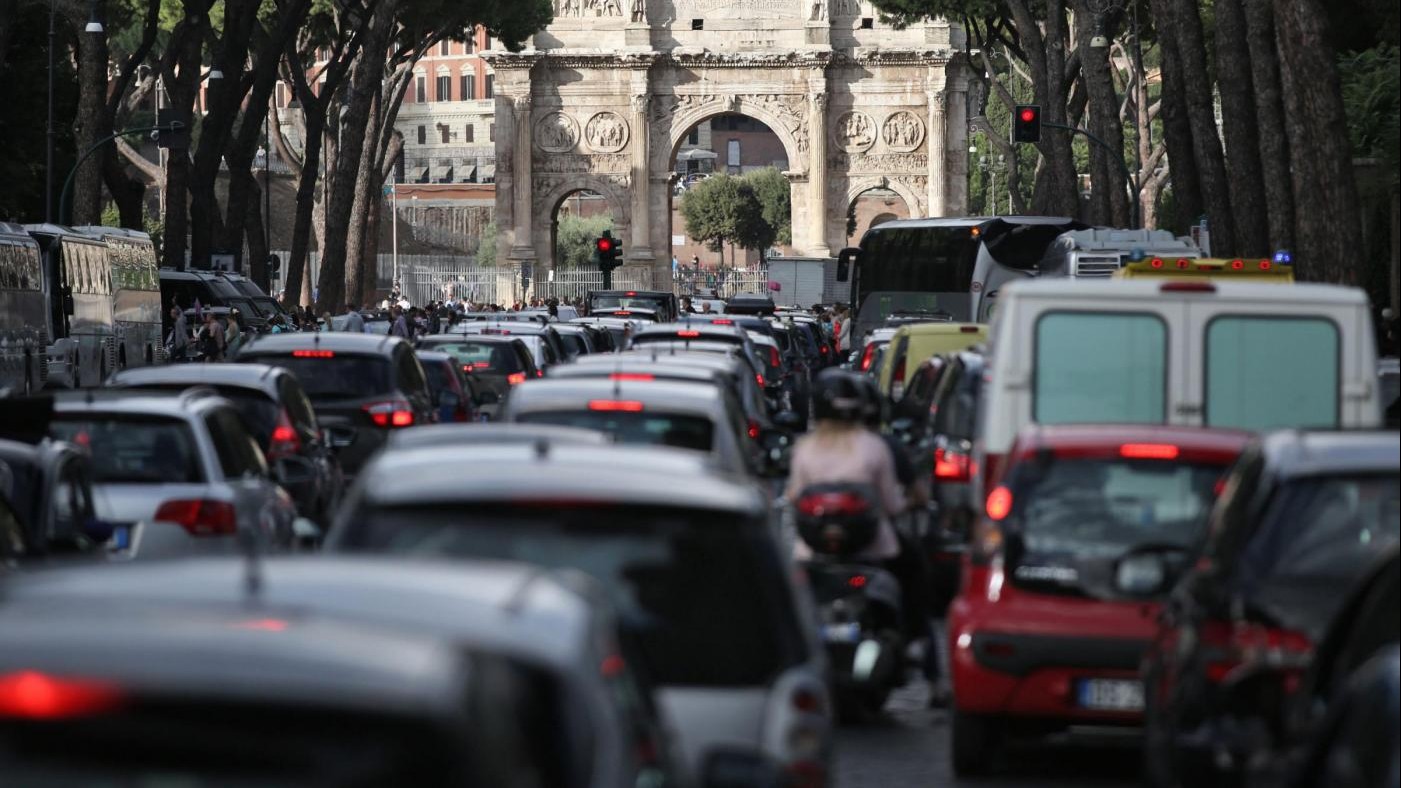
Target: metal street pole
394,231
68,183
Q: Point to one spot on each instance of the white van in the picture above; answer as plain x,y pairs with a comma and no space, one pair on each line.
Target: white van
1193,353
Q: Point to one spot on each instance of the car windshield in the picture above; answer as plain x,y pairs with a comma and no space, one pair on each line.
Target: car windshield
480,356
336,376
1077,516
133,449
634,427
1316,535
438,376
702,591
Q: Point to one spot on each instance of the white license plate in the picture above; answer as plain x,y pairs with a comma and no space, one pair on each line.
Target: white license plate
1110,695
841,633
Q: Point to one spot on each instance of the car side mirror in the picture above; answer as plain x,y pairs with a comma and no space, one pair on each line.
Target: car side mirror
68,301
291,471
845,258
734,768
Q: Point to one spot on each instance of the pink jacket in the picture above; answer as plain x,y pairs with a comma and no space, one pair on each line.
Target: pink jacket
866,460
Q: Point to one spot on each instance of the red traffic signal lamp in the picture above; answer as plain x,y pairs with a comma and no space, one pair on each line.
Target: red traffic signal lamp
1026,123
608,251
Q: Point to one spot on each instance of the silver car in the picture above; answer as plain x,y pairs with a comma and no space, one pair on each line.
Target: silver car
176,473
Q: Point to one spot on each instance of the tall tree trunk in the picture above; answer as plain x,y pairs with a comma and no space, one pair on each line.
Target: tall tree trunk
1240,122
1327,207
1055,189
128,193
257,241
7,21
365,181
297,260
1109,199
1201,113
1177,129
1269,113
85,196
364,89
182,78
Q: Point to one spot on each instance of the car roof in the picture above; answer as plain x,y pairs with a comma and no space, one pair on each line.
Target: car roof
1110,436
937,328
618,474
335,341
705,327
659,353
574,393
1295,453
501,339
175,404
502,605
661,293
880,335
494,434
261,377
967,221
611,363
1300,294
435,356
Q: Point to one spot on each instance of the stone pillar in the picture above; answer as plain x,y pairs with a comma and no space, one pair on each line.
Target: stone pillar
956,124
523,249
817,171
937,151
505,176
641,242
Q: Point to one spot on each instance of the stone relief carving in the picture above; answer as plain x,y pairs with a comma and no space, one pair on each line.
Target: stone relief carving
556,133
606,132
577,163
855,132
818,12
639,10
879,163
589,8
737,9
902,131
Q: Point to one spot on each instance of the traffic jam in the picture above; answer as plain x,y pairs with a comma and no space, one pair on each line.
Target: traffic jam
647,543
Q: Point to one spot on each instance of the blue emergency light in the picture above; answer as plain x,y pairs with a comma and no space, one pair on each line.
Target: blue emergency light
1283,257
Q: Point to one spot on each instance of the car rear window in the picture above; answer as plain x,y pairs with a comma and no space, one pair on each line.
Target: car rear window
437,374
573,344
337,376
1265,373
133,449
1316,536
482,356
652,429
704,593
258,411
1100,367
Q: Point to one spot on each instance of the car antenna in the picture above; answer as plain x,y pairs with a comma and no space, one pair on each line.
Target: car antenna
252,567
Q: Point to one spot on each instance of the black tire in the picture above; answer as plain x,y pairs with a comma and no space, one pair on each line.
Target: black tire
976,744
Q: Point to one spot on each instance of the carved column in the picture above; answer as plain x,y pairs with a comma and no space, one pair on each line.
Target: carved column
524,248
641,178
817,171
937,151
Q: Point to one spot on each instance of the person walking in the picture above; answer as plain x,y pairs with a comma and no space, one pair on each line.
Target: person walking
178,346
400,326
213,342
233,335
842,328
354,323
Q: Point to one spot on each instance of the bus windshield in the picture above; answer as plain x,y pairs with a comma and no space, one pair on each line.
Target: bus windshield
917,271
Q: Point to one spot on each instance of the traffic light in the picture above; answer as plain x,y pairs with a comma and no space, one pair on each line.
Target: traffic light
274,265
608,251
1026,123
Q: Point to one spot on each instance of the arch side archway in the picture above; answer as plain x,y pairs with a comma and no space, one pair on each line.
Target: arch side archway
615,195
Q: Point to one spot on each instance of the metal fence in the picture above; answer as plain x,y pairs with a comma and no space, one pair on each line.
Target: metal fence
576,283
723,283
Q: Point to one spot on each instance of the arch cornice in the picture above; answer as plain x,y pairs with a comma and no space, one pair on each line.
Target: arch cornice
857,186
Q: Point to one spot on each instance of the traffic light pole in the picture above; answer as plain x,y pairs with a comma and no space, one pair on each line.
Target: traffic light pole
68,183
1117,156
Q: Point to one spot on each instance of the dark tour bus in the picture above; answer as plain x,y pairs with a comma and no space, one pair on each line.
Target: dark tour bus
24,335
136,295
78,288
942,269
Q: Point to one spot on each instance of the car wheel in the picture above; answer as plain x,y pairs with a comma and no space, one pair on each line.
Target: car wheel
976,741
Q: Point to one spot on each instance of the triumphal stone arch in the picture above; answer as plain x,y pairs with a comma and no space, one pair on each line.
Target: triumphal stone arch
602,98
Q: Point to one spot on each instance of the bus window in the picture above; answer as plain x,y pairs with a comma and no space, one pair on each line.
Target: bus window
917,271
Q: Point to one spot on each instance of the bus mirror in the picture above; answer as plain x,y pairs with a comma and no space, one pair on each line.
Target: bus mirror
844,261
67,301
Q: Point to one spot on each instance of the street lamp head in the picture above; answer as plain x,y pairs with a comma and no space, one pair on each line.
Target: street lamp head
216,74
93,26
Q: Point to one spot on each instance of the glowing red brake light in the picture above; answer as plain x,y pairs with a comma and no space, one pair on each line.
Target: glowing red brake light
836,504
395,413
639,376
1237,265
774,360
868,357
515,378
754,430
285,439
631,293
856,581
615,405
1187,287
313,354
1149,451
622,312
200,516
953,466
1265,265
1182,262
999,503
759,378
31,695
688,334
1156,262
722,322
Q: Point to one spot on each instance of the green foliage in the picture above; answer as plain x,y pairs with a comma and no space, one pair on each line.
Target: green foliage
574,239
486,246
775,198
724,209
1372,98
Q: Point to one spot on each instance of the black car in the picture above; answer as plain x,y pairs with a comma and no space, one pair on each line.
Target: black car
1341,727
578,340
494,362
664,303
277,413
361,386
207,289
46,503
749,304
454,394
1301,515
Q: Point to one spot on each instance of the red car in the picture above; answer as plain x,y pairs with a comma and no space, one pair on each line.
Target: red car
1064,578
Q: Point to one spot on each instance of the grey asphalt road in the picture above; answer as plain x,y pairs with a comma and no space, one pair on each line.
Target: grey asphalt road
908,747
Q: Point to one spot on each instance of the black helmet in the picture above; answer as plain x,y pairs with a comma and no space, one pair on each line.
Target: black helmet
839,395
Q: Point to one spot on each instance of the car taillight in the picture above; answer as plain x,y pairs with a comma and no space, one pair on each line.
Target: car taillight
688,334
31,695
637,376
999,504
613,405
1229,645
200,516
722,322
833,503
759,378
1187,287
952,466
395,413
898,375
285,440
754,430
1149,451
313,354
515,378
775,360
868,357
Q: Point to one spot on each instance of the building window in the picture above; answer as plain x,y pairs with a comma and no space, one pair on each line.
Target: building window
490,91
444,87
469,86
694,137
422,135
470,44
467,135
444,133
443,50
420,89
487,46
491,132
